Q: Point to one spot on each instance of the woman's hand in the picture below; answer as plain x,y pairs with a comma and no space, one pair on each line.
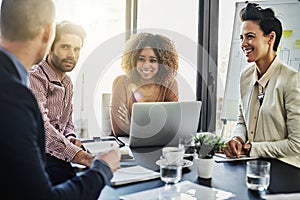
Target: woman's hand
123,114
234,148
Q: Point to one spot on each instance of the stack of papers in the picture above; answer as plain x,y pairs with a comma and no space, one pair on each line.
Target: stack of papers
133,174
185,190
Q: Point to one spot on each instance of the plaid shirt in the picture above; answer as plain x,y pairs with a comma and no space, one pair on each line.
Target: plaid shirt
54,98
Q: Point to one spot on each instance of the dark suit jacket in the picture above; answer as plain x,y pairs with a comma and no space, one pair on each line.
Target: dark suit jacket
22,148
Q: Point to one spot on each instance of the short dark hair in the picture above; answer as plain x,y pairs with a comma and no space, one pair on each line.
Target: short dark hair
69,28
265,18
22,20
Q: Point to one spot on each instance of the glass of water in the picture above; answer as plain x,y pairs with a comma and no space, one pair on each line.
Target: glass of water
187,143
170,173
258,175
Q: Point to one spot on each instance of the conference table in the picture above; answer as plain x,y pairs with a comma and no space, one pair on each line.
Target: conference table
227,176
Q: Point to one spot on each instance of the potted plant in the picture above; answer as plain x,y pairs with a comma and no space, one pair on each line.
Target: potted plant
206,145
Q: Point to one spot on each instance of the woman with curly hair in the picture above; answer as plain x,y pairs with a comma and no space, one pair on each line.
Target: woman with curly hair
150,63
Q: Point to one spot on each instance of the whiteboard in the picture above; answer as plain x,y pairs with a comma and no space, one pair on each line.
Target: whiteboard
288,12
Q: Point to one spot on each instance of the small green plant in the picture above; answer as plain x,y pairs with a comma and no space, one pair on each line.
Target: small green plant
207,144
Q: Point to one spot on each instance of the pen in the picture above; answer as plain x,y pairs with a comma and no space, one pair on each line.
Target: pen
84,149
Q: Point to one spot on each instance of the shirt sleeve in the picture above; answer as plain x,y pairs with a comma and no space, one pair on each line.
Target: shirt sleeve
289,145
69,130
240,130
118,98
56,143
172,92
86,186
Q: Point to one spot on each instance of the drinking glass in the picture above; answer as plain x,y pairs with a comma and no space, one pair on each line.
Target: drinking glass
187,143
170,173
258,175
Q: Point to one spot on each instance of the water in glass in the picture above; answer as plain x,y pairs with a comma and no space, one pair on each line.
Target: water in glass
258,175
170,173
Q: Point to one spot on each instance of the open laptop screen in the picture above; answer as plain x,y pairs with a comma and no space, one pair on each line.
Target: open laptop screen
162,123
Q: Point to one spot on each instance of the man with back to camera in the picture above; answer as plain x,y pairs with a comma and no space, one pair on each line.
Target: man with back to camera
24,42
54,91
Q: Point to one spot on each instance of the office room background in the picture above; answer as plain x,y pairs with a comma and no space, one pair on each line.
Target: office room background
109,23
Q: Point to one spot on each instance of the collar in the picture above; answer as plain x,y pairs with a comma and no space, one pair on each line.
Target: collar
21,69
263,81
51,74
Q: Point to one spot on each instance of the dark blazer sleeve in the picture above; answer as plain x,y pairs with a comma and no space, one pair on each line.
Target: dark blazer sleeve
22,149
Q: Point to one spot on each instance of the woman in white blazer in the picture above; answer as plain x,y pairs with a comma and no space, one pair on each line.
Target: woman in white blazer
269,118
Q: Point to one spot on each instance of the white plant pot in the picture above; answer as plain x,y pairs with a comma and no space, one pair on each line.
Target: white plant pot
205,167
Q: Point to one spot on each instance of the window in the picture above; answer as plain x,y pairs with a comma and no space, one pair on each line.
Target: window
226,18
99,63
177,20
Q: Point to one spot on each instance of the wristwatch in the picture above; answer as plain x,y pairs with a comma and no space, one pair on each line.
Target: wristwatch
247,146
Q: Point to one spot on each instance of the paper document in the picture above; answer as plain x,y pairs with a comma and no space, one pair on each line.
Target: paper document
96,147
124,139
133,174
104,145
126,153
184,190
219,157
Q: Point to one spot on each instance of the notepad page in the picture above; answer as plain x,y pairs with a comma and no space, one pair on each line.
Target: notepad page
219,157
133,174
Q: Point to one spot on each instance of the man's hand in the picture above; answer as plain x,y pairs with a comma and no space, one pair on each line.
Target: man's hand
111,157
75,141
83,158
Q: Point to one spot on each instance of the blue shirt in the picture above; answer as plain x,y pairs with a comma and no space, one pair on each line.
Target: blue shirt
20,68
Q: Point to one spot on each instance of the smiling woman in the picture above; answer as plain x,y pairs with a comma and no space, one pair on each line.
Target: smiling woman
268,121
150,63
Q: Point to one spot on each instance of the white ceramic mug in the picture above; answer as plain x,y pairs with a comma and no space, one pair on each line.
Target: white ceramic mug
173,155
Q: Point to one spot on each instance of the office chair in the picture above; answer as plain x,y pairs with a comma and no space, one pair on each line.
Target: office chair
105,114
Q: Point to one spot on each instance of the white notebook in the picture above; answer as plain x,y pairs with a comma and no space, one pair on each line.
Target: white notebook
133,174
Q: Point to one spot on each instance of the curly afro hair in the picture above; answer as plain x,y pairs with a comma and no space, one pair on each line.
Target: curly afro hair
163,48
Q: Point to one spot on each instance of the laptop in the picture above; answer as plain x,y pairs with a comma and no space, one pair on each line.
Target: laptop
162,123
